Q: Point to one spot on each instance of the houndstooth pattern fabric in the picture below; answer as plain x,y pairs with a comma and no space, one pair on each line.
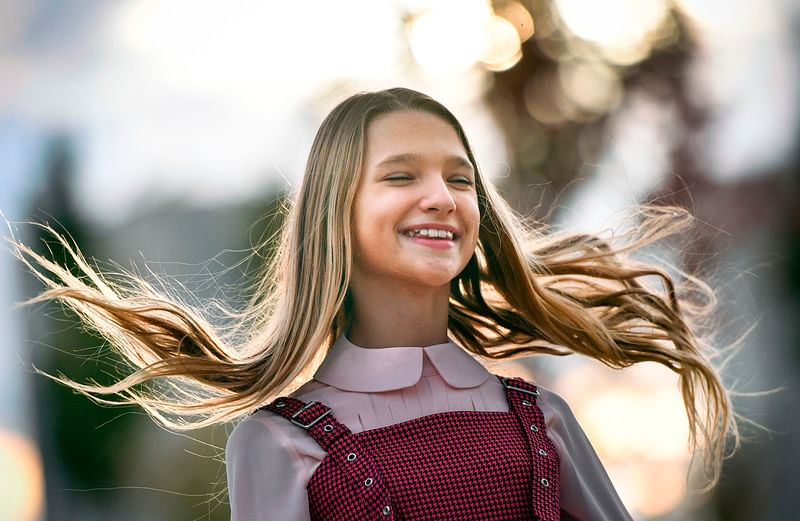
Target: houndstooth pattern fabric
477,465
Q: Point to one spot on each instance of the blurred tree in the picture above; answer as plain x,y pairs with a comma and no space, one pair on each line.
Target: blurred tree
101,460
80,441
554,105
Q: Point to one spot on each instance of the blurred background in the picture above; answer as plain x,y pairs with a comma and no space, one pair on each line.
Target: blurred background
163,134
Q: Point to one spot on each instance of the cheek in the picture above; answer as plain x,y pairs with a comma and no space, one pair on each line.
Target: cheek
381,213
472,217
372,232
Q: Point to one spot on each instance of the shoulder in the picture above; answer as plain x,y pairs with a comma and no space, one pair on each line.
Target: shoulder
553,401
548,400
260,432
557,413
563,427
269,433
556,410
268,464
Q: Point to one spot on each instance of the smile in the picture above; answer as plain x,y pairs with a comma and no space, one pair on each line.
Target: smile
438,243
430,233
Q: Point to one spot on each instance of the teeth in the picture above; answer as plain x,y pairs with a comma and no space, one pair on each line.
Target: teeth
430,232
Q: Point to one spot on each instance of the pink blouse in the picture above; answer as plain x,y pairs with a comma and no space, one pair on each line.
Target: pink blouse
269,460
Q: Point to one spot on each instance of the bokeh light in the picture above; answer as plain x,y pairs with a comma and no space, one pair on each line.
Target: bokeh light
591,85
502,49
451,37
21,478
519,17
544,100
623,28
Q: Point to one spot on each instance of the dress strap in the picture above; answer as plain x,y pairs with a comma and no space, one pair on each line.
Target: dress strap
314,417
343,448
522,397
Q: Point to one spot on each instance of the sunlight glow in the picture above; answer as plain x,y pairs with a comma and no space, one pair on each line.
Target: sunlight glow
617,24
207,100
453,36
240,49
450,37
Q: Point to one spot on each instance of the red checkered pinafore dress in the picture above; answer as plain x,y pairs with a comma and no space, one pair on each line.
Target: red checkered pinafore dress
458,465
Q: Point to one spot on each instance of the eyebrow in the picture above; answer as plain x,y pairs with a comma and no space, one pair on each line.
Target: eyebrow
458,161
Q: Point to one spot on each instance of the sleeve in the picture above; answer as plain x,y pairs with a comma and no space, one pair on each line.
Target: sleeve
587,493
266,475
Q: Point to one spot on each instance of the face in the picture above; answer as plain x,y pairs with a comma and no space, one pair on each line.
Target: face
416,213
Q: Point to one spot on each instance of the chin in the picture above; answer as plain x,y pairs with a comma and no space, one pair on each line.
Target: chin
436,279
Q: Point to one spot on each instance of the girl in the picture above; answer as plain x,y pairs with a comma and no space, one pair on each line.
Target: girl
399,269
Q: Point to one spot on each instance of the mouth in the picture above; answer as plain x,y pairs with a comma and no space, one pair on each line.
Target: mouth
431,234
430,238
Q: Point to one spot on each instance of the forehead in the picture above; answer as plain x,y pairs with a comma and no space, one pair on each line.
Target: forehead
411,132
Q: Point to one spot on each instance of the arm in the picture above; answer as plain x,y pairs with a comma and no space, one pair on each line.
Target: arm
266,475
587,493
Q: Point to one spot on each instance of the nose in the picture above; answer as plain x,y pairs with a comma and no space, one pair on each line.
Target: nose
437,197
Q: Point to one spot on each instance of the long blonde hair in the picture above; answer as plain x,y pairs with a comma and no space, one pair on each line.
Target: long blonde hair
523,291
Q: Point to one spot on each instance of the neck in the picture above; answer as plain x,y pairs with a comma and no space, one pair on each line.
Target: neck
399,315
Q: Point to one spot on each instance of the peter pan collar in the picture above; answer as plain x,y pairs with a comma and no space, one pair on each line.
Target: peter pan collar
353,368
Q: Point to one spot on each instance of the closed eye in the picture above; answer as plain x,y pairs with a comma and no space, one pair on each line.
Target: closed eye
462,180
398,177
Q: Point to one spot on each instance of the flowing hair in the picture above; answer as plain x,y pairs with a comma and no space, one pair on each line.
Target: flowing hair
523,291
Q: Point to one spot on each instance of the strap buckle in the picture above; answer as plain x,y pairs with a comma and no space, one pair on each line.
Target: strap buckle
514,387
313,422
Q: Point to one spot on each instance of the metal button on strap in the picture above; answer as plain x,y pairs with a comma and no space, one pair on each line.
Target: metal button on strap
534,428
351,456
386,510
328,428
542,452
544,482
526,403
368,482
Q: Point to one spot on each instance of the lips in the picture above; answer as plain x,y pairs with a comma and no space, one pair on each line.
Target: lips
432,230
429,233
439,244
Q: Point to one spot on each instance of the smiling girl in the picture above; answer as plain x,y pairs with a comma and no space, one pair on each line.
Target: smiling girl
400,270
